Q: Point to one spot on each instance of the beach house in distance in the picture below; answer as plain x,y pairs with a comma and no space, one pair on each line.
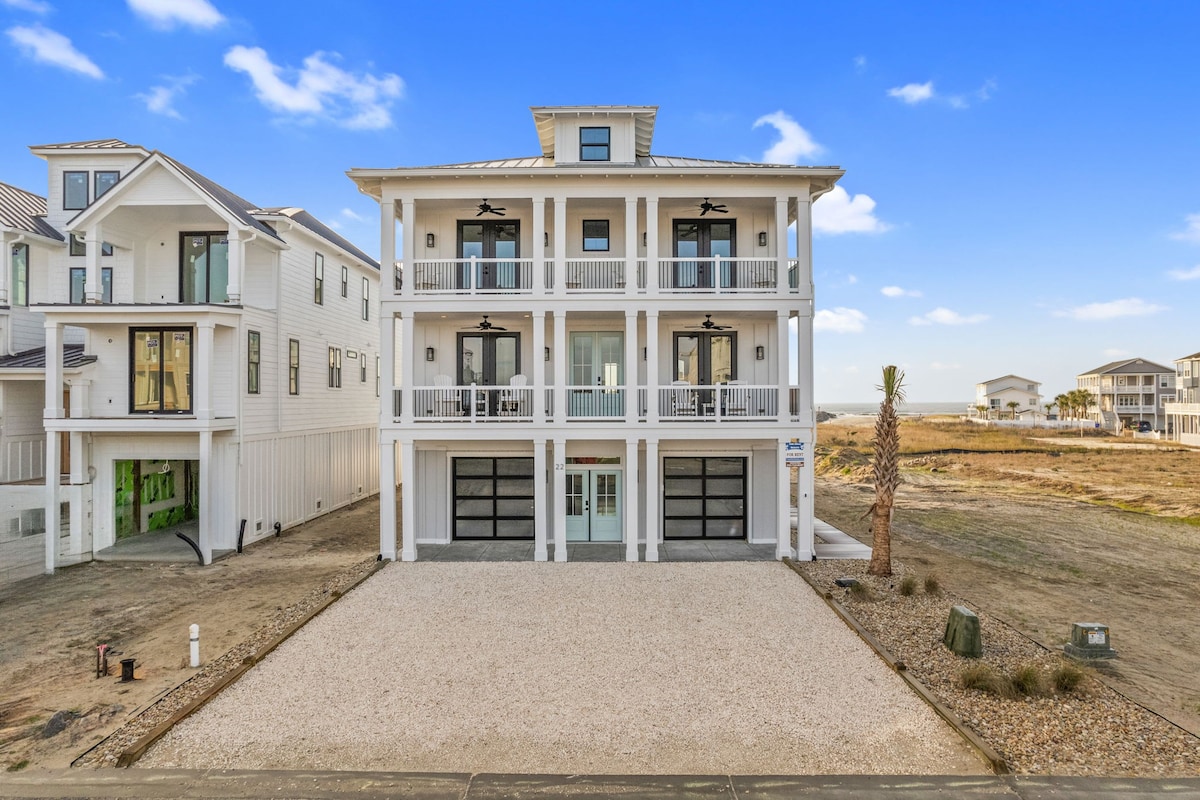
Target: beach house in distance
594,343
1183,415
996,394
201,363
1129,391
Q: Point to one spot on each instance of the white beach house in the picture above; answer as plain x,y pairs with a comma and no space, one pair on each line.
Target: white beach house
1128,392
595,343
1183,415
209,366
996,394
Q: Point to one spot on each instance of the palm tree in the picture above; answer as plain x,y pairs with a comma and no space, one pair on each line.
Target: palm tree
982,411
1050,406
886,470
1013,405
1063,401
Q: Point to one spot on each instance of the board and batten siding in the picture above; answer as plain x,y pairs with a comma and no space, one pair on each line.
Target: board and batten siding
22,438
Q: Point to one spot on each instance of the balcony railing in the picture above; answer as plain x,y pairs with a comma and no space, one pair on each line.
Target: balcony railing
732,402
470,276
718,274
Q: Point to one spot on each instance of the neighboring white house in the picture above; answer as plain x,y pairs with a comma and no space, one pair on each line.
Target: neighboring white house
226,359
1183,415
997,393
592,344
1129,391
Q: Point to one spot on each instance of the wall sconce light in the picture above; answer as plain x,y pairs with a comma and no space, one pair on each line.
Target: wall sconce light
762,238
547,353
545,238
643,354
430,240
760,353
643,238
429,353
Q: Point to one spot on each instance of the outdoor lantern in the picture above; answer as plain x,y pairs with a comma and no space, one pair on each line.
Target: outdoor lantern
429,354
546,238
760,353
430,240
762,238
547,349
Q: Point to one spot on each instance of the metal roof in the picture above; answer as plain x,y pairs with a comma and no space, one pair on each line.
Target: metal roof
307,220
642,162
1015,377
73,357
643,120
1192,357
91,144
1128,366
25,211
239,207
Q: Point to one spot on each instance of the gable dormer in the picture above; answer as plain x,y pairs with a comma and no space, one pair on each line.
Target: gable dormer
80,173
594,135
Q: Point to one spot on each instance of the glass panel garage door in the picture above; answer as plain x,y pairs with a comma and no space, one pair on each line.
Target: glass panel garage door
704,498
493,498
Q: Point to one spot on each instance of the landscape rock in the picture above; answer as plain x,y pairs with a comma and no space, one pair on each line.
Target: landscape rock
58,723
962,634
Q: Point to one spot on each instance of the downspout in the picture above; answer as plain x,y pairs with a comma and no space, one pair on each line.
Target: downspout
241,395
8,245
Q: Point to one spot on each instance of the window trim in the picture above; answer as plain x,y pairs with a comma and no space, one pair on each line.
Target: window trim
13,299
208,283
607,144
335,367
319,279
362,367
366,300
66,176
162,330
96,193
345,281
294,367
378,367
253,362
78,247
106,289
607,236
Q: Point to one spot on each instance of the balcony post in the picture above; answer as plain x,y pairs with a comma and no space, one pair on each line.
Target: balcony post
408,232
237,259
6,258
651,245
782,280
387,499
539,368
804,365
631,499
783,503
631,248
540,479
782,365
54,372
559,468
202,402
539,246
53,467
93,290
559,351
407,371
804,275
630,377
653,490
651,367
387,245
408,500
560,246
387,370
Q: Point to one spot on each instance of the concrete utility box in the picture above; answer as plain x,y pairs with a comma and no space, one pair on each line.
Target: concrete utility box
1089,640
962,635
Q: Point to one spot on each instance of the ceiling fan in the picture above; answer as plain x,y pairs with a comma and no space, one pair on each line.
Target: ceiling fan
484,326
709,325
487,208
706,207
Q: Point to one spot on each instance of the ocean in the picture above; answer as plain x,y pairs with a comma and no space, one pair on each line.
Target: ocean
905,409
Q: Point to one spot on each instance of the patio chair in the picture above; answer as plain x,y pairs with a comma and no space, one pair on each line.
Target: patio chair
683,399
512,399
448,401
736,400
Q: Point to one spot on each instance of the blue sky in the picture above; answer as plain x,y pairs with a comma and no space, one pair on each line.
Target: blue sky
1021,191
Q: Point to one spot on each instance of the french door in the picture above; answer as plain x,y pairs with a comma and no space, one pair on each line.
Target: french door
704,358
488,359
702,239
490,240
597,360
593,503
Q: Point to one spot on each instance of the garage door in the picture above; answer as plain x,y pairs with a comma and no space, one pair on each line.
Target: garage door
704,498
493,498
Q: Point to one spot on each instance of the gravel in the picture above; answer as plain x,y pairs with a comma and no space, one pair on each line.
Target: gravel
1092,730
573,668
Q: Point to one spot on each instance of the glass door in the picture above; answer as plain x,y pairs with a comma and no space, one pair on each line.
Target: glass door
597,359
204,268
487,360
593,503
702,240
705,359
490,240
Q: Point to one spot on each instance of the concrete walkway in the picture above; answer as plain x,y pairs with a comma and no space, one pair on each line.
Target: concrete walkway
252,784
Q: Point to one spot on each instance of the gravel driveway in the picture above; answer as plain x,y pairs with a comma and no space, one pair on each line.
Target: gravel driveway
669,668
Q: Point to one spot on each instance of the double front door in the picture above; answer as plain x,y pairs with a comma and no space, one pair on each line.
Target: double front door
593,502
703,240
494,242
488,359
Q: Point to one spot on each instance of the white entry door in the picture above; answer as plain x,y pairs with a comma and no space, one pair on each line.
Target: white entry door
594,505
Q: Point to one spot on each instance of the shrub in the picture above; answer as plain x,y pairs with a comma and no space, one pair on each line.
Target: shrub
860,591
1067,678
932,585
982,678
908,586
1027,680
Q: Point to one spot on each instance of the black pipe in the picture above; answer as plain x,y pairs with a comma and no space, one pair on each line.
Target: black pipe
195,546
241,534
278,529
127,669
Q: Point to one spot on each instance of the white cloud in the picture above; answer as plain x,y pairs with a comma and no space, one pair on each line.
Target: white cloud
169,13
1115,352
860,63
161,99
913,93
938,366
896,291
321,89
839,320
794,142
851,279
944,316
349,213
838,212
1127,307
982,94
1185,274
49,47
32,6
1192,232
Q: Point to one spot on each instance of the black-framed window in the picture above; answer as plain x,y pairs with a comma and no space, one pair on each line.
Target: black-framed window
75,190
335,368
293,366
493,498
319,279
595,234
362,367
204,267
704,498
345,281
253,361
104,180
160,370
19,295
377,369
79,279
366,300
78,247
595,144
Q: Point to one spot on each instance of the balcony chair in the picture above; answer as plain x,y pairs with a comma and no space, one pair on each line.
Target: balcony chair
683,399
447,401
512,399
737,400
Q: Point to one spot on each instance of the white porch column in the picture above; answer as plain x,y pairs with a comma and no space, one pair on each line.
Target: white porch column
539,366
202,402
804,500
6,256
782,282
651,245
560,247
631,499
631,381
408,232
783,502
81,406
208,508
387,499
783,364
540,509
804,364
407,370
651,367
558,349
539,246
53,468
653,492
237,269
387,245
54,372
631,245
408,500
93,290
559,500
804,274
387,369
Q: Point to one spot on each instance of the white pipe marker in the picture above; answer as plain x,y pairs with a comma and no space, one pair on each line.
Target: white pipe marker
194,638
